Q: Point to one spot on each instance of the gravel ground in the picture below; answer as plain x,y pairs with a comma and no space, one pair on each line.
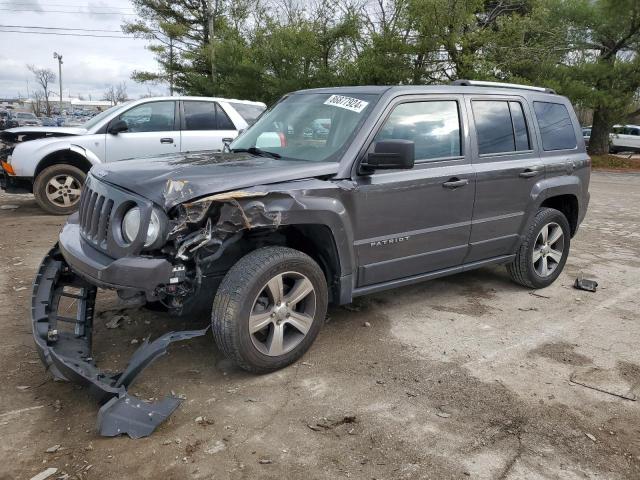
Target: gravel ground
469,376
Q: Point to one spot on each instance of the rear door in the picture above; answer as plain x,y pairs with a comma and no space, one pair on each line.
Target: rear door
411,222
204,126
152,130
507,165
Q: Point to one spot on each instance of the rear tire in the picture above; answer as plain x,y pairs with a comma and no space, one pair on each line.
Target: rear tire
269,308
543,251
57,189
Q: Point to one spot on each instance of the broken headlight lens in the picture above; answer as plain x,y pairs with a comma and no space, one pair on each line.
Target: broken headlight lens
131,226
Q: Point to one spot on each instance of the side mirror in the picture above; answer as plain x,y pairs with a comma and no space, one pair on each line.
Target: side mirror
225,144
390,155
118,126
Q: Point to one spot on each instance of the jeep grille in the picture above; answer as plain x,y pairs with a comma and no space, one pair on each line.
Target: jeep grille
101,209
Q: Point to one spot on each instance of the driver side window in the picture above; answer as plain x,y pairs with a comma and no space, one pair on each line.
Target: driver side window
150,117
433,126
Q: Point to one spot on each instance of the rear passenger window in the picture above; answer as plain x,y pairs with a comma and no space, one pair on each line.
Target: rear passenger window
200,115
434,127
555,124
500,126
206,116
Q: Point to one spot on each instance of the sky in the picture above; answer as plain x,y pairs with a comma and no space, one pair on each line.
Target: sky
90,64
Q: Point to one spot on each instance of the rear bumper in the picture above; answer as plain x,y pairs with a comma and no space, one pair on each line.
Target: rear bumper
144,274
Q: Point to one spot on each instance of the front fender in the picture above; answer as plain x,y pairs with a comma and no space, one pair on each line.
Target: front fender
86,153
306,202
27,155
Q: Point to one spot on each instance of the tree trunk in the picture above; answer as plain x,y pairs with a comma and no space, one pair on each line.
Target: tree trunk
599,140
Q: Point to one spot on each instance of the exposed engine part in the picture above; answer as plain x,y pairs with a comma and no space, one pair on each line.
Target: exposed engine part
196,241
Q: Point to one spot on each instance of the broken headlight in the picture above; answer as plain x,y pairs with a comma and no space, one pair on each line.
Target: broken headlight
131,226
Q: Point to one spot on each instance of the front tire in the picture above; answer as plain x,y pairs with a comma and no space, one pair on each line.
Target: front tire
57,189
269,308
544,250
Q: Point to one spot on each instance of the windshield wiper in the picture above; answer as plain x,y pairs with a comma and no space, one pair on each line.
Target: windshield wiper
257,151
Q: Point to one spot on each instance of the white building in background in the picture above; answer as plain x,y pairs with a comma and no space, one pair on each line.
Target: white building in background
71,104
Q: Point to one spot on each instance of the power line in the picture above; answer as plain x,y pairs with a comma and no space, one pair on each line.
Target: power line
60,28
25,5
66,11
65,34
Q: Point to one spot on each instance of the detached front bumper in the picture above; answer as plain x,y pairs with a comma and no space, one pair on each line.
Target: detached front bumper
64,346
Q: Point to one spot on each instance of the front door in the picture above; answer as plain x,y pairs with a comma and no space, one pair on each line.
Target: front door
410,222
507,165
152,130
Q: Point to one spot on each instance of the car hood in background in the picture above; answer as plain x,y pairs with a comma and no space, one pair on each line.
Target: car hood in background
172,179
23,134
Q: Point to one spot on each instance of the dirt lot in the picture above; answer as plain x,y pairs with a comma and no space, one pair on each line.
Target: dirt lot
464,377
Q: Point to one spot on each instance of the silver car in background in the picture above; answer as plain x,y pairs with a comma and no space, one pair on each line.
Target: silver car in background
52,162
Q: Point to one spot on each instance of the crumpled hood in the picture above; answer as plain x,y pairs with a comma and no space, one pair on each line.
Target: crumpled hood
23,134
172,179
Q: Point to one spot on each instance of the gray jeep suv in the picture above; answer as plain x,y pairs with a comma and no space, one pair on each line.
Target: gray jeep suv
408,184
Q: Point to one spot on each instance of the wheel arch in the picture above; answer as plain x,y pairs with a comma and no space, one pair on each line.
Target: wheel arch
563,193
567,204
74,156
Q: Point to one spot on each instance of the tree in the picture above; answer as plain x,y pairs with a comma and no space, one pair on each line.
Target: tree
44,77
116,93
587,50
38,100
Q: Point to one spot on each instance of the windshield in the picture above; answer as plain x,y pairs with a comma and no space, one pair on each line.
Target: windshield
25,115
92,122
314,127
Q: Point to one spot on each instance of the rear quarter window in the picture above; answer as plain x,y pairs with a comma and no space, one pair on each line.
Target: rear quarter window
249,112
555,125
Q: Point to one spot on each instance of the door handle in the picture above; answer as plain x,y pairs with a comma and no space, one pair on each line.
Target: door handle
455,183
528,173
166,140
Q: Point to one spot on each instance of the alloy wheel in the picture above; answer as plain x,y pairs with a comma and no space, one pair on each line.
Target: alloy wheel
63,190
548,249
282,313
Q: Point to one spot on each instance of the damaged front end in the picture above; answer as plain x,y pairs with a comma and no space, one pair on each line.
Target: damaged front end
181,273
64,346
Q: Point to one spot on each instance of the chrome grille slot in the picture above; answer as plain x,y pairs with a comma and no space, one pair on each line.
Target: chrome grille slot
103,226
95,219
90,213
84,202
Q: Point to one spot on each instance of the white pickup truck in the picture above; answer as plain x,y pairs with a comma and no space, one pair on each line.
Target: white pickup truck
52,162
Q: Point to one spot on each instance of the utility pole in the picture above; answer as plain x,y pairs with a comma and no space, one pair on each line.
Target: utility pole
57,56
212,11
171,66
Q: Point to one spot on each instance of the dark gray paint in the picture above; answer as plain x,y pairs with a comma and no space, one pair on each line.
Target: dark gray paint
477,222
389,228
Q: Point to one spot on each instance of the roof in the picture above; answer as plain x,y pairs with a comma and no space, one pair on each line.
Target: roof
217,99
416,89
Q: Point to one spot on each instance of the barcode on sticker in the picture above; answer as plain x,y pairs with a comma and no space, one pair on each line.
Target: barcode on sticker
348,103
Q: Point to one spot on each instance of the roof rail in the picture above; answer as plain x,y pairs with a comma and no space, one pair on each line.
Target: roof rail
480,83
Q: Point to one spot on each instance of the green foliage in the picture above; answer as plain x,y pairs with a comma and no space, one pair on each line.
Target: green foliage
261,49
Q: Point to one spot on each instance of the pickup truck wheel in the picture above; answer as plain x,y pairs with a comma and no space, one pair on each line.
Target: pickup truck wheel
57,189
269,308
544,250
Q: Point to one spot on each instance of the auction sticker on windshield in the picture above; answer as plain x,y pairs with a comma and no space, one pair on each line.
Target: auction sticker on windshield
348,103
